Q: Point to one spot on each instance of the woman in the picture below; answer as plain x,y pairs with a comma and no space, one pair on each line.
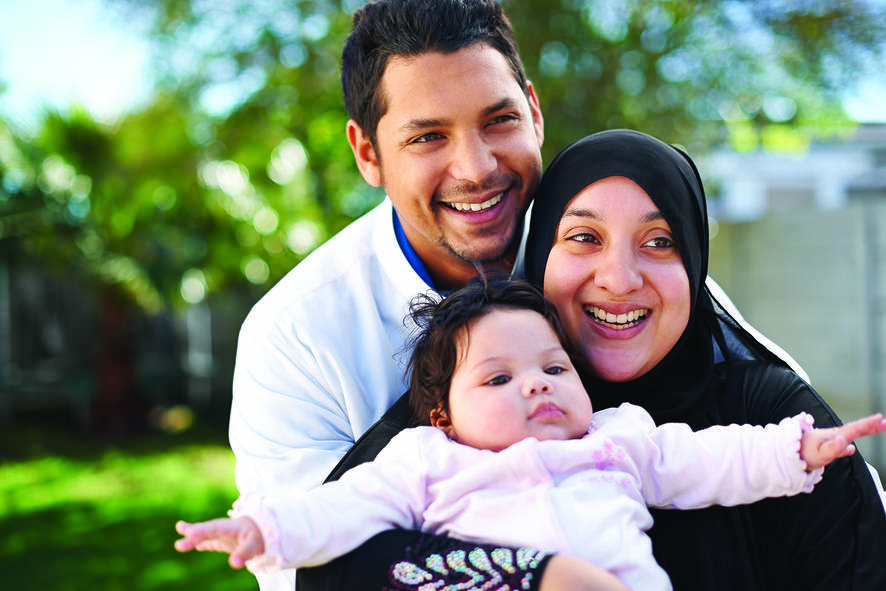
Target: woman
619,240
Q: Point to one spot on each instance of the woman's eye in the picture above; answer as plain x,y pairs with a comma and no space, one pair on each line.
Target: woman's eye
584,237
660,242
498,381
555,370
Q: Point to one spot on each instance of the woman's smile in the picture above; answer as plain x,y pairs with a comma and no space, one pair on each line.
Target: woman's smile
617,320
617,279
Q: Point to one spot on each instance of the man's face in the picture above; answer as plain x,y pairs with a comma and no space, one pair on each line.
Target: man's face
458,154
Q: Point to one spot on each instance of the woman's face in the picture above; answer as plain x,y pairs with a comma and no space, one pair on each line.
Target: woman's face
617,280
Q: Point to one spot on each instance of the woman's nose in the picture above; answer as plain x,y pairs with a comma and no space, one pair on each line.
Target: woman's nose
617,271
473,160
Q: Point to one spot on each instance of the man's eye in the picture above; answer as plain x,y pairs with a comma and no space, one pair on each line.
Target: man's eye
428,137
555,370
503,118
499,381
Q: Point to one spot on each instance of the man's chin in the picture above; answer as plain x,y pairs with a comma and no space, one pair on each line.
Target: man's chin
484,256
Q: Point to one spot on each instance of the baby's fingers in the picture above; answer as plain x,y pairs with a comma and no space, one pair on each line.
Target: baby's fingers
185,543
837,447
247,549
218,535
870,425
820,447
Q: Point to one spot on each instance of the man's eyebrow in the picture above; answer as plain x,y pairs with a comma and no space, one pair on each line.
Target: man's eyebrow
505,103
416,125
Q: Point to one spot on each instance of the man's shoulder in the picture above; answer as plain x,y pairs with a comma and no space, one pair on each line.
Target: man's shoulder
361,265
365,237
336,260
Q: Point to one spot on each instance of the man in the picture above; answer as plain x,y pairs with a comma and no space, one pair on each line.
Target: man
443,119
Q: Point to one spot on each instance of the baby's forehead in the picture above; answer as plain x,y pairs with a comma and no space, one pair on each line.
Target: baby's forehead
500,325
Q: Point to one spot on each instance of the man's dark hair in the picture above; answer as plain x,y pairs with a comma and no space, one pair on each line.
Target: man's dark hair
409,28
435,351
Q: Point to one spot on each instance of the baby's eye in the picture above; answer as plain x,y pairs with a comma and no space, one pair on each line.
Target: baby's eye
499,381
555,370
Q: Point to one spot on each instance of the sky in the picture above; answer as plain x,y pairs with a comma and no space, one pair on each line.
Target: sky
58,53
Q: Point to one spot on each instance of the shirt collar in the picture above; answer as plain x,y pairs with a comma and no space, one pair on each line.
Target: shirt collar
414,261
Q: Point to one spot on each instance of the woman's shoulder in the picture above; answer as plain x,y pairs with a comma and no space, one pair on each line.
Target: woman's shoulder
766,392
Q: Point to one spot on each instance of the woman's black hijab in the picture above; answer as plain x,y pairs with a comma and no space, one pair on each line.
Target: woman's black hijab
684,384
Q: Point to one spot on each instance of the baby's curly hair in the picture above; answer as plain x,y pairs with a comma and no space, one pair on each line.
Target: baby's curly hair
435,352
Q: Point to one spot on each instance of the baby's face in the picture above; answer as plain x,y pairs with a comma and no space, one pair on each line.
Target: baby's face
513,380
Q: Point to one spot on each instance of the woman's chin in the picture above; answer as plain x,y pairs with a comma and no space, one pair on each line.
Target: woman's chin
616,368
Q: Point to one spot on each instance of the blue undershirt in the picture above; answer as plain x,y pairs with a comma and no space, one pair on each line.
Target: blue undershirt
414,261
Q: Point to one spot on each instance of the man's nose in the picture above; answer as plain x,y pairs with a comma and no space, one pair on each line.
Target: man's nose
473,159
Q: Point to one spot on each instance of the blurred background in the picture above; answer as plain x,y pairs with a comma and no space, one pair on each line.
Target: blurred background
164,162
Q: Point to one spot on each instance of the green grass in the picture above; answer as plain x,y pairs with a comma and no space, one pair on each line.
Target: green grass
78,514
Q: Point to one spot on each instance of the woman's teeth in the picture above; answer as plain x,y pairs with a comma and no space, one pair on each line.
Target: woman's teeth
475,206
617,321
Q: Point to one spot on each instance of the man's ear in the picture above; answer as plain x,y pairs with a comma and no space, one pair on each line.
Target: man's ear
440,420
537,120
364,153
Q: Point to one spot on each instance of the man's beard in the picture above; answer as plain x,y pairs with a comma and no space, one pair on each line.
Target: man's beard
489,258
515,184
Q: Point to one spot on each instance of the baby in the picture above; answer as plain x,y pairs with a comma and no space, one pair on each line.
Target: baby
512,453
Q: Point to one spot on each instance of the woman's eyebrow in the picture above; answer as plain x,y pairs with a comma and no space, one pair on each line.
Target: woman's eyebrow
575,212
652,216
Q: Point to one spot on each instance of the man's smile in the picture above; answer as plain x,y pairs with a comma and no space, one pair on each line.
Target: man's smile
474,206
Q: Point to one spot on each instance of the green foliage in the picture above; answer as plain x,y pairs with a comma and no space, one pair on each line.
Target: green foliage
82,518
239,166
682,70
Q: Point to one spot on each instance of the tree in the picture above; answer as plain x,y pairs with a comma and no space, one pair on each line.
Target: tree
683,70
239,167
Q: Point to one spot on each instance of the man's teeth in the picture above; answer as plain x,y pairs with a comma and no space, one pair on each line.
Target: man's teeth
617,321
475,206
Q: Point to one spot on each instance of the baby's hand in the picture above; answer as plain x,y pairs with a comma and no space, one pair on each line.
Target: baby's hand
820,447
239,537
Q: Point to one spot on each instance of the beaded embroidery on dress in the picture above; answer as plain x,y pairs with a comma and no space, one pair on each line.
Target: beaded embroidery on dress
498,569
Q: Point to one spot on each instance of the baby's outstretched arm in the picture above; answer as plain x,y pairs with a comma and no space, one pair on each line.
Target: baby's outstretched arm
820,447
240,537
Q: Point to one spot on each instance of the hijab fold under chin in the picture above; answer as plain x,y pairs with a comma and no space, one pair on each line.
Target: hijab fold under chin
683,384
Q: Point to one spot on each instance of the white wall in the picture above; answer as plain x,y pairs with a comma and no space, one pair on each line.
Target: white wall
813,281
